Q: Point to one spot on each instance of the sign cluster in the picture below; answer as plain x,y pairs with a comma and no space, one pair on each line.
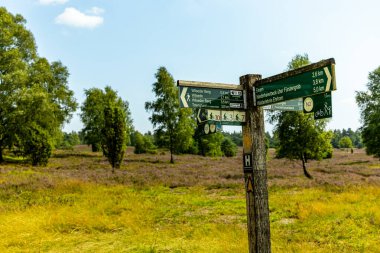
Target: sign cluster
306,89
216,104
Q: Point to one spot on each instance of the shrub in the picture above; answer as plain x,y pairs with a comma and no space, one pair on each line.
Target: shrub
36,145
144,144
228,147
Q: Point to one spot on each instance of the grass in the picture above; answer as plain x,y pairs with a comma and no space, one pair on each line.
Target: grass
196,205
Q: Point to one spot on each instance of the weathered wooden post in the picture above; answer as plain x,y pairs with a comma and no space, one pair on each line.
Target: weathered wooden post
255,173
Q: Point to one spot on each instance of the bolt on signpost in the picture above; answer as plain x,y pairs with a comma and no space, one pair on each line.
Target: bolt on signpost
306,89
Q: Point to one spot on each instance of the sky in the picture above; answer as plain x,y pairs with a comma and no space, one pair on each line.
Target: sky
122,43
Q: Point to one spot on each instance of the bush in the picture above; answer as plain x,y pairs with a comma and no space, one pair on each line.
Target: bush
210,145
114,135
345,142
144,144
228,147
36,145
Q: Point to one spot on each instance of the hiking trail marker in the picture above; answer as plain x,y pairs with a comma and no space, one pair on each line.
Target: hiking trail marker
306,89
210,95
302,82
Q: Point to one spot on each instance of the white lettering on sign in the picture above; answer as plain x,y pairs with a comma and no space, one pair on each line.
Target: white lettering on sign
236,92
247,160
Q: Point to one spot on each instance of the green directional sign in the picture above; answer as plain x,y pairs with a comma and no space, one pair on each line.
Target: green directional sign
227,97
306,81
232,118
289,105
320,105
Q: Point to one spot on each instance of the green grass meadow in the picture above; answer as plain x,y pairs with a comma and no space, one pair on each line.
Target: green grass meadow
74,208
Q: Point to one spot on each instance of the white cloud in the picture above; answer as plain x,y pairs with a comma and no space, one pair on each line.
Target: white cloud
95,11
48,2
75,18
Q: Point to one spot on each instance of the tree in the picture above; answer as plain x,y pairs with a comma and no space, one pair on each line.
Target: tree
143,143
300,136
345,142
369,104
68,140
36,145
228,147
171,124
210,145
114,135
35,100
93,114
355,137
17,49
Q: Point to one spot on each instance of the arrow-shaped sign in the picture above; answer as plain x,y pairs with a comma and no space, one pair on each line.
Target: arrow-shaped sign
183,97
211,96
307,81
202,116
328,75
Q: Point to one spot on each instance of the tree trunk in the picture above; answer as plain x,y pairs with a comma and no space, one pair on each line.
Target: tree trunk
171,149
255,173
305,172
1,156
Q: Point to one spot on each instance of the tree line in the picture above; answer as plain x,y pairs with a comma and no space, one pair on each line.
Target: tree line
35,103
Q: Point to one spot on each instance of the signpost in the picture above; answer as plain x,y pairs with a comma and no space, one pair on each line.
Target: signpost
320,104
232,118
210,127
210,95
289,105
305,89
307,81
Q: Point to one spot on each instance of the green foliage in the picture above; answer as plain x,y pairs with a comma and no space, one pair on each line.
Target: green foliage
369,104
210,145
184,132
228,147
345,142
113,135
36,146
174,128
68,140
299,135
298,61
272,142
35,100
93,114
236,137
355,137
144,143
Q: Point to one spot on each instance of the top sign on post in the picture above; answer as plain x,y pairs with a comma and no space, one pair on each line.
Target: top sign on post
306,81
211,95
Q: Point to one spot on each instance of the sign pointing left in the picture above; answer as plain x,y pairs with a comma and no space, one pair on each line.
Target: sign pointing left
183,97
211,95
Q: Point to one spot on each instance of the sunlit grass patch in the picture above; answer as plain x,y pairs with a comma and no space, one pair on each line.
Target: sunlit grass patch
326,219
77,205
374,166
159,219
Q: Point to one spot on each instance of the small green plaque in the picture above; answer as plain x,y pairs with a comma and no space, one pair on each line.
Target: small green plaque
320,105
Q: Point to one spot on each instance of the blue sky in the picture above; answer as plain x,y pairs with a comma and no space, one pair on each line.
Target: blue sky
122,43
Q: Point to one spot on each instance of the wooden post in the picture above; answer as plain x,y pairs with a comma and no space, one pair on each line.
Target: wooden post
255,173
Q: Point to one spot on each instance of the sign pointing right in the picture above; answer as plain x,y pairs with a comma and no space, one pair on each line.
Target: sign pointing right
306,81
